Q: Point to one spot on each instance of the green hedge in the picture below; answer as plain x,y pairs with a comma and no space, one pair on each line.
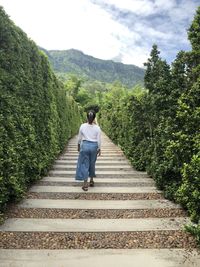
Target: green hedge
36,116
169,149
159,129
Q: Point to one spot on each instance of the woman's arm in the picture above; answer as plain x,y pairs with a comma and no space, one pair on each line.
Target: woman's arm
99,142
79,139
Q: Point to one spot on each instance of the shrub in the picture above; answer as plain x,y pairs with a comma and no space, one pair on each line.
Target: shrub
36,116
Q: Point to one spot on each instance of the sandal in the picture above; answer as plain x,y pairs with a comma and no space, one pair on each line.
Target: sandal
92,183
85,187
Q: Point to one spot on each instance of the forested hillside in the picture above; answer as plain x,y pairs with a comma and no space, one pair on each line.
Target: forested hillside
88,67
36,116
159,129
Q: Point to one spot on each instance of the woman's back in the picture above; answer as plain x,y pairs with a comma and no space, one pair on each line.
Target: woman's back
90,132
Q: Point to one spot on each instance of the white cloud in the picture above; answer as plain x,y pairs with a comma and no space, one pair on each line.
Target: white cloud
182,12
161,5
126,32
141,7
138,55
143,29
60,25
144,7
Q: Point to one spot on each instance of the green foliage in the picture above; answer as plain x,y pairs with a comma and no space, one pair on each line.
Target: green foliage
189,192
36,116
152,69
194,230
121,117
73,85
194,31
159,129
93,69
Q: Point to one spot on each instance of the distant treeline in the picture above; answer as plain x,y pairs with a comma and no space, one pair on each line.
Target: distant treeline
36,116
159,129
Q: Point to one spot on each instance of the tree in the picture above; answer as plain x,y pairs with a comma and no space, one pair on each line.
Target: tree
194,32
152,69
73,85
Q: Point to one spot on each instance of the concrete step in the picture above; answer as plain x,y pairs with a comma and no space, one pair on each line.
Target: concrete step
100,257
98,204
105,174
100,180
102,157
98,167
99,162
99,190
105,149
93,225
108,171
99,159
103,154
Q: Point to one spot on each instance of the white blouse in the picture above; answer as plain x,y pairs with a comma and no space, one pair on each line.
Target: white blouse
90,132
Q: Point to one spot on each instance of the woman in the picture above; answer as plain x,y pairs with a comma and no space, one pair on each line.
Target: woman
89,146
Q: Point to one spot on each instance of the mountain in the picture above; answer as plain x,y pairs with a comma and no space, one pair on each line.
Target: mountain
76,62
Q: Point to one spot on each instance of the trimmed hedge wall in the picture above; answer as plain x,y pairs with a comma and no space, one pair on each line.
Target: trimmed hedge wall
36,116
159,129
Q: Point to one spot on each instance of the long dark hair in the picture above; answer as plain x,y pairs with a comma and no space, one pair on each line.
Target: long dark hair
91,116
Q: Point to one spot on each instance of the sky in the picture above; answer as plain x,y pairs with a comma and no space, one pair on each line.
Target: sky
121,30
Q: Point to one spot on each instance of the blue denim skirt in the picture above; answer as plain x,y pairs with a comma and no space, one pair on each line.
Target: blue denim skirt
86,160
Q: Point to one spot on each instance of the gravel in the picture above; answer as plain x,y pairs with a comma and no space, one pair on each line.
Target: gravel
93,196
49,240
15,212
79,240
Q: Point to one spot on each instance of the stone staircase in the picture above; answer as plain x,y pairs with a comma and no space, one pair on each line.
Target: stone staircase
122,221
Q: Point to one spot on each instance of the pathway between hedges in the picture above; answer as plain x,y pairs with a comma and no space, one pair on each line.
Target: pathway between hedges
122,221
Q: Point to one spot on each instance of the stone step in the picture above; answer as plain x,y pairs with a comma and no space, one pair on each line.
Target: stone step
103,154
105,157
54,232
102,157
79,184
103,151
95,258
98,162
105,148
109,151
105,174
98,167
93,225
104,142
100,180
99,190
98,204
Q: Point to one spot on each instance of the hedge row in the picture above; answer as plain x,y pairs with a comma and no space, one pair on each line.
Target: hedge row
159,129
36,116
